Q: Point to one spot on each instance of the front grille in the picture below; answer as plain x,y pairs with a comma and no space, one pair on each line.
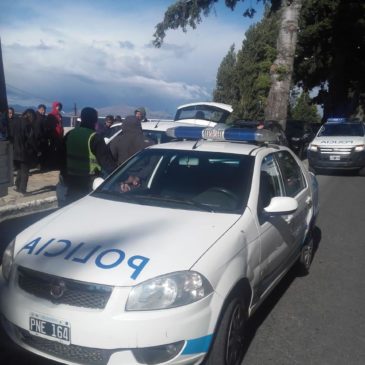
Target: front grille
336,150
79,354
75,293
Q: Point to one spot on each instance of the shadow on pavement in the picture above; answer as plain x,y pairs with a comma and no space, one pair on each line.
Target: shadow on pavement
274,297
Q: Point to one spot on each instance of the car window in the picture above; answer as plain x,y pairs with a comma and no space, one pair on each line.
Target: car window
157,136
270,182
291,173
213,181
341,129
204,112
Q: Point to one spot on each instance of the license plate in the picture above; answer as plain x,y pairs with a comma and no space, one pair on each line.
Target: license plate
335,158
50,328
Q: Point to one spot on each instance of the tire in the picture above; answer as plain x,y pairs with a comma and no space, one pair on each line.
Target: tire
228,345
306,257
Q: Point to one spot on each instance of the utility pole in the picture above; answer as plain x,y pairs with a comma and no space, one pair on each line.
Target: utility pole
6,149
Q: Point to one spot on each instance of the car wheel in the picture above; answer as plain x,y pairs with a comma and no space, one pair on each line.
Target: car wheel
228,345
306,257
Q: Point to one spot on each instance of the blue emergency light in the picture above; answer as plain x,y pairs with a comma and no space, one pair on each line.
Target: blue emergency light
222,134
336,120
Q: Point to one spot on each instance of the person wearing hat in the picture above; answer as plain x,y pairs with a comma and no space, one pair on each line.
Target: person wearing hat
140,114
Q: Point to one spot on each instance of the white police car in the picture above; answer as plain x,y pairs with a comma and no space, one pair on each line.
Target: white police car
194,236
339,144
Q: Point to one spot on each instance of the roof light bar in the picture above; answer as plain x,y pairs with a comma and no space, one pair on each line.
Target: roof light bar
336,120
223,134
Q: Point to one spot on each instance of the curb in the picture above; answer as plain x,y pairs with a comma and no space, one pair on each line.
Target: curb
38,205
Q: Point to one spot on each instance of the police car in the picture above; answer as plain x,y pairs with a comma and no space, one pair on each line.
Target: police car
339,144
193,236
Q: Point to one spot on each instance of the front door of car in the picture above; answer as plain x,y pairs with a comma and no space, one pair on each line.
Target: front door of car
296,187
275,235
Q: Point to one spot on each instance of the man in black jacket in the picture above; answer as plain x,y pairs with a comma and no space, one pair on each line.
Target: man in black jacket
130,141
85,157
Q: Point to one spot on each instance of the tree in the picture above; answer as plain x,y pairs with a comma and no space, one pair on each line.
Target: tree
304,109
282,68
185,13
252,68
330,55
226,87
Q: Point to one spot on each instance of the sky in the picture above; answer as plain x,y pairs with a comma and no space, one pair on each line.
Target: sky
99,53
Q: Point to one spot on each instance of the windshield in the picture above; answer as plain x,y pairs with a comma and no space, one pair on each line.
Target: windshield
206,181
343,129
203,112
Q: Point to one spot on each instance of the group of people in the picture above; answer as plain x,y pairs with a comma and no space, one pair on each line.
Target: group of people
87,156
38,139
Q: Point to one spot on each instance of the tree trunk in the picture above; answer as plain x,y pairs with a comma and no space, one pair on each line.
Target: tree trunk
282,68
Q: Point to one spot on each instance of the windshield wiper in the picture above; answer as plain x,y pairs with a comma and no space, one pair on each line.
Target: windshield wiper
193,203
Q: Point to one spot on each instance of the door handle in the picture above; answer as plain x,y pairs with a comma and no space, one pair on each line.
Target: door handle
308,201
288,219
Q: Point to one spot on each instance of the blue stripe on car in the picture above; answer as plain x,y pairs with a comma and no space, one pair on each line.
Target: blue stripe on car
197,345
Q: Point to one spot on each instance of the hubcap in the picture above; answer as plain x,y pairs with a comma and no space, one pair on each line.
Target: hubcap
307,254
235,338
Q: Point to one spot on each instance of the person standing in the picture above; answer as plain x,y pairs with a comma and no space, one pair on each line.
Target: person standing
108,122
25,148
40,135
10,122
140,114
54,131
86,156
130,141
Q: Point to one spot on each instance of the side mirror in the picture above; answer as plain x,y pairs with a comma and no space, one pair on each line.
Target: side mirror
97,182
281,205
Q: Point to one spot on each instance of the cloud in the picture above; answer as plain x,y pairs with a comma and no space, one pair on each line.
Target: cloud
126,44
101,52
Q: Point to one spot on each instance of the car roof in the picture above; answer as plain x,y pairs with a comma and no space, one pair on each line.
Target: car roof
240,148
226,107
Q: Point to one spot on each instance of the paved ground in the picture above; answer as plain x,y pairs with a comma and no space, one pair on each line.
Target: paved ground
41,195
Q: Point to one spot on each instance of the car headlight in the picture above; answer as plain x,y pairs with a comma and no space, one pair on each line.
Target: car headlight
313,147
8,259
168,291
360,148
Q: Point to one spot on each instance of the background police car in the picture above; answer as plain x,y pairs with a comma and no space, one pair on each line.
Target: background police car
339,144
169,276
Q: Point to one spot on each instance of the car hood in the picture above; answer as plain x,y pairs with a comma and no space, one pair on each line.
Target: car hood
339,141
117,243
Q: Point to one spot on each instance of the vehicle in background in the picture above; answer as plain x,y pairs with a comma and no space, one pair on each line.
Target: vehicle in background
315,127
339,144
203,113
271,125
299,134
154,131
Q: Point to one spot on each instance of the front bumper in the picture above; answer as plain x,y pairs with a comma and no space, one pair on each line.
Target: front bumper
111,335
351,161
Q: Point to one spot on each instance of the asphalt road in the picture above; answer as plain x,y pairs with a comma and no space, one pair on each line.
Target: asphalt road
316,319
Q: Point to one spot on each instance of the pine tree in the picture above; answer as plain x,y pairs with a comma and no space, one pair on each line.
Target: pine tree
304,109
226,88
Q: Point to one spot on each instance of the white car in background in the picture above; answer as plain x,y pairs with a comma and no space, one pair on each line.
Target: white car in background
155,131
203,113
